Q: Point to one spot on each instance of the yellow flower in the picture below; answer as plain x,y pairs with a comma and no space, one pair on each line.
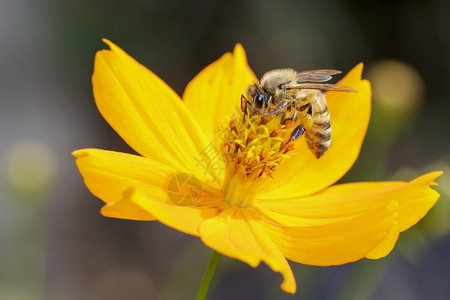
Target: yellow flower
236,184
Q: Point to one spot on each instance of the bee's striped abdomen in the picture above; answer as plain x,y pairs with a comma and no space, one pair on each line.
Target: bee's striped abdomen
318,137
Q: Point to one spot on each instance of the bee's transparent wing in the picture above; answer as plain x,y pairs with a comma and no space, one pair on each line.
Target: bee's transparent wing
319,86
316,75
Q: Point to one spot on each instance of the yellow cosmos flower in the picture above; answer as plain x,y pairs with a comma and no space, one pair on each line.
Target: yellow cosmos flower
237,184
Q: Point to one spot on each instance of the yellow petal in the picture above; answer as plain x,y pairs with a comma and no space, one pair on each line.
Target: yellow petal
347,222
146,112
109,174
334,243
236,232
186,219
303,174
215,93
417,199
386,245
126,209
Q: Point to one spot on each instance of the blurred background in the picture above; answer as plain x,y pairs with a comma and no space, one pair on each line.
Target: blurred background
54,244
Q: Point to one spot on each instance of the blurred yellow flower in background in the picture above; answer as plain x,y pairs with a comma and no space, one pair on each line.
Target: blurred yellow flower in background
234,183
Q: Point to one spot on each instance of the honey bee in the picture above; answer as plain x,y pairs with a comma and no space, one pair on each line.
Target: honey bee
296,96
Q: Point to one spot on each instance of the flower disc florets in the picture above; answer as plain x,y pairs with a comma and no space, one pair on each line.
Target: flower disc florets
257,144
252,148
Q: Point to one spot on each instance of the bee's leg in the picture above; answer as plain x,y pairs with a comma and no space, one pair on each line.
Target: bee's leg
277,111
296,133
294,116
244,103
306,116
307,107
279,108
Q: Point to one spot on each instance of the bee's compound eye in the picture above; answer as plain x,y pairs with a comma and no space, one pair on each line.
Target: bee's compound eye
259,99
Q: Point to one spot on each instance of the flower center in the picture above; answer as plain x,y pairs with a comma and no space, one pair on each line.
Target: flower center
252,150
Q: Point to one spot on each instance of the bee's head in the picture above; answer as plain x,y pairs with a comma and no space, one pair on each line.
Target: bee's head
258,99
261,99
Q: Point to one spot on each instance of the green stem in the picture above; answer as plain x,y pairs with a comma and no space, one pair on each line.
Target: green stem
208,276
